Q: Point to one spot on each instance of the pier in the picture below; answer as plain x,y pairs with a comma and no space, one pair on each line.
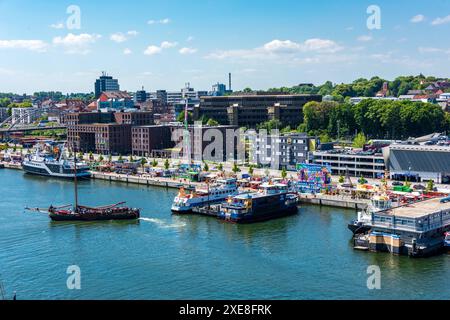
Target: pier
415,229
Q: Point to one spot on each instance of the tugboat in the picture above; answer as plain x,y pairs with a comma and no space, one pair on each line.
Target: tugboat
271,202
379,202
221,190
363,224
53,164
83,213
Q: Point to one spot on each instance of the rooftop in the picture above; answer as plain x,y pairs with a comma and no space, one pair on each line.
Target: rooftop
419,209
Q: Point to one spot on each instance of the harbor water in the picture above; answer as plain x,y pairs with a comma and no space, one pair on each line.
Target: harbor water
308,256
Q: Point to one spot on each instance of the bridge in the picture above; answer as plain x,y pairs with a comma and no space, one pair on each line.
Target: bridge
12,125
30,128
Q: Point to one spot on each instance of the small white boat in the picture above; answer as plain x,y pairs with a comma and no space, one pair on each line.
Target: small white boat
222,189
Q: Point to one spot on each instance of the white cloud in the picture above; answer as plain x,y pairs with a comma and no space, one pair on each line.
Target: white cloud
320,45
439,21
425,50
59,25
162,21
275,48
127,51
152,50
281,46
168,45
76,44
187,50
418,18
190,38
365,38
32,45
118,37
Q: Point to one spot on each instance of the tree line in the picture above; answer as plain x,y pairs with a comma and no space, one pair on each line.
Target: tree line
360,87
377,119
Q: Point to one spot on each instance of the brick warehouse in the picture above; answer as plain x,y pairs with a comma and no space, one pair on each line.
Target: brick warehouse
104,133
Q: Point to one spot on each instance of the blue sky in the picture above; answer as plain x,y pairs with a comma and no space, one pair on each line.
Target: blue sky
162,44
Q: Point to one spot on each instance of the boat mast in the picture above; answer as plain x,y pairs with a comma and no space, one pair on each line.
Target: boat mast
75,181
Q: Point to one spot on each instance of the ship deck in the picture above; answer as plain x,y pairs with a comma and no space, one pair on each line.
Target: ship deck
419,209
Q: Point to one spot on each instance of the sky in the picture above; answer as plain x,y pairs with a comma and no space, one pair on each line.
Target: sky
163,44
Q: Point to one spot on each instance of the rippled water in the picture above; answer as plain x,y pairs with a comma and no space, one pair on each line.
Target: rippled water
308,256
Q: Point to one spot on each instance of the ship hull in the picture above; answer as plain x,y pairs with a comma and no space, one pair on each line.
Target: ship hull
266,216
66,218
261,216
357,228
95,214
44,172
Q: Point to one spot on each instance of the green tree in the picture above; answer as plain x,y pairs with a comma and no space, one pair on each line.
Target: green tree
284,173
236,169
341,179
430,186
101,158
154,163
120,157
270,125
251,170
181,118
212,123
359,141
167,164
206,167
143,163
220,167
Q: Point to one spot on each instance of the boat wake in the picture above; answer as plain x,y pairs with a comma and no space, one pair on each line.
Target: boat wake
164,224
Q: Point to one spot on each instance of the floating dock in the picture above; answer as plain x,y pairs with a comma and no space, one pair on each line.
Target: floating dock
416,230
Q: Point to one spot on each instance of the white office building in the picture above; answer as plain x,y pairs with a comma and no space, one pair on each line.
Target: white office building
26,116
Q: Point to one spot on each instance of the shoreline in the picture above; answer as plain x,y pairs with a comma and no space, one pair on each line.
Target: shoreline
167,183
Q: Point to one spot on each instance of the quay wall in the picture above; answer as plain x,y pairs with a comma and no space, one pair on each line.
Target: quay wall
164,183
336,202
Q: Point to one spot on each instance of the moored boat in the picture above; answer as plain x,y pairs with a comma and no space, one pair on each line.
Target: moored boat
363,223
211,193
271,202
52,163
81,213
84,213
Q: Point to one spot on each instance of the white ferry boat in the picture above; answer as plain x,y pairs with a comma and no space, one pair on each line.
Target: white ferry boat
45,164
363,223
217,192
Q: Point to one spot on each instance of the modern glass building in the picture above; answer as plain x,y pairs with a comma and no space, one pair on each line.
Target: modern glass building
105,83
